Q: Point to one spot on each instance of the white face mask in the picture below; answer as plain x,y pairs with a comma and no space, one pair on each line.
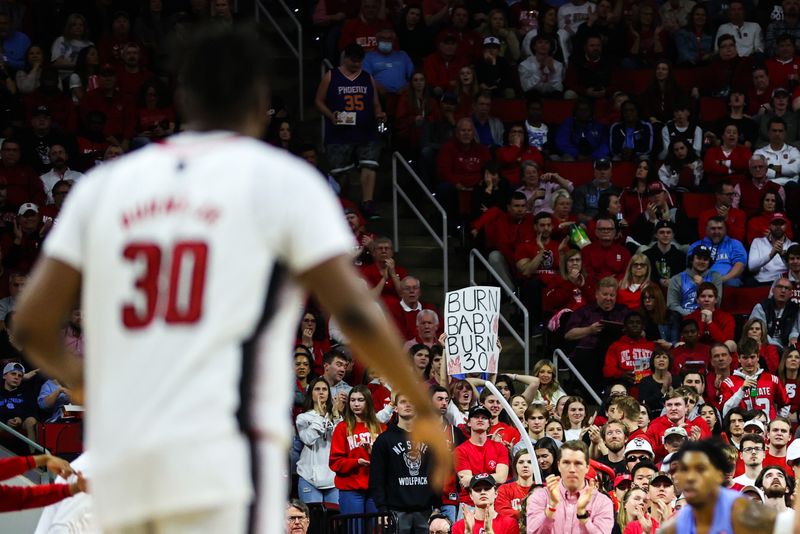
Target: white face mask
385,46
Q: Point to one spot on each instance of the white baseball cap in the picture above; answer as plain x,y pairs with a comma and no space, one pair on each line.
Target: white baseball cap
639,444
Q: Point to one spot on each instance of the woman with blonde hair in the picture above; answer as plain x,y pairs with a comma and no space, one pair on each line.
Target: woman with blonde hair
549,389
633,517
563,218
497,26
65,49
637,277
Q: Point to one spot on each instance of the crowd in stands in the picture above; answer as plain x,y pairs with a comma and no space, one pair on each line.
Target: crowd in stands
631,170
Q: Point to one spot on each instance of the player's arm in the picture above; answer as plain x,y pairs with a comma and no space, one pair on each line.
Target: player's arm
319,100
43,306
377,343
749,516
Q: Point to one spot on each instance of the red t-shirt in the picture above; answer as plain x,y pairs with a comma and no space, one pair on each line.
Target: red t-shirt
779,461
506,431
479,459
548,267
791,387
683,354
500,525
509,500
600,261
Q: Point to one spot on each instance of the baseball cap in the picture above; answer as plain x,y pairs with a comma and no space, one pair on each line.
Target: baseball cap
13,366
41,110
655,188
778,216
661,476
780,91
793,451
754,489
701,250
675,431
482,478
639,444
664,224
622,479
491,41
756,423
602,163
479,410
28,206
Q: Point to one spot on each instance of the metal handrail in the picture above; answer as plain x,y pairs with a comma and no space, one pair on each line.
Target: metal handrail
441,240
523,341
559,353
325,66
296,50
44,476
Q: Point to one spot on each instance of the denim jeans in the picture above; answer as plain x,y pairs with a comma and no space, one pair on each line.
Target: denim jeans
356,502
309,493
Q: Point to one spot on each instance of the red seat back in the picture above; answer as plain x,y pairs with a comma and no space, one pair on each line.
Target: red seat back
578,172
509,110
696,203
712,109
557,111
740,300
633,82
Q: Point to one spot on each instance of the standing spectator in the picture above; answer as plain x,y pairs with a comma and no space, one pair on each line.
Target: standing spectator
479,454
765,260
587,196
779,314
752,449
383,274
315,428
570,504
734,218
297,517
483,492
398,479
390,69
417,112
631,138
351,449
65,49
363,29
788,24
541,73
728,158
789,375
779,433
728,254
746,34
413,34
581,137
537,262
604,256
347,97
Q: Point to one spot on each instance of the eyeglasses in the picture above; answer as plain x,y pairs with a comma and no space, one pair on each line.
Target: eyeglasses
296,519
748,450
641,458
786,288
640,265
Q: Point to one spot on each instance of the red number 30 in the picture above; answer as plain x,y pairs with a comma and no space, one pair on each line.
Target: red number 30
184,304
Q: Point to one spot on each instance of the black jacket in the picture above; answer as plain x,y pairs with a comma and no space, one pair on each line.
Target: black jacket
398,474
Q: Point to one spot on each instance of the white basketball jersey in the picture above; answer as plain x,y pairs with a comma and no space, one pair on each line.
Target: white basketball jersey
187,252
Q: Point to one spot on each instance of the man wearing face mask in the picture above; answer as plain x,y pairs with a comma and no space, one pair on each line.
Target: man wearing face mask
391,68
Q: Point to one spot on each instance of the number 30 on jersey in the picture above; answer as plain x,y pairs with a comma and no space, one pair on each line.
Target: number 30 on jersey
183,287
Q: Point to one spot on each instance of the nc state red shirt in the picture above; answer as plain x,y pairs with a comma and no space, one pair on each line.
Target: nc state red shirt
479,459
771,394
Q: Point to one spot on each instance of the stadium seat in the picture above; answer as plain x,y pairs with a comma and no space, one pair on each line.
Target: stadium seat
578,172
685,78
696,203
712,109
632,82
740,300
509,110
62,439
557,111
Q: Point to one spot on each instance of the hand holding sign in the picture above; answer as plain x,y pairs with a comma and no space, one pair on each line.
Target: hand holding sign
472,322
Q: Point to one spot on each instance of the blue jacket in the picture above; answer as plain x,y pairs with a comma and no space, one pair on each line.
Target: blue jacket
571,136
725,254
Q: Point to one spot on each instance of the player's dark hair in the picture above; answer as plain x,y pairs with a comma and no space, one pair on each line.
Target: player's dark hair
222,74
712,448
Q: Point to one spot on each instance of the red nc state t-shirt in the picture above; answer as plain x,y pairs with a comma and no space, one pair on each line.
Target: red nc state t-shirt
479,459
500,525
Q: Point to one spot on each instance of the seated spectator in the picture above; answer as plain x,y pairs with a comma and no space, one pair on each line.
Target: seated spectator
479,454
483,493
793,262
442,67
488,130
112,44
787,23
780,109
563,218
92,142
574,289
155,116
85,77
118,108
728,158
726,70
542,74
589,73
458,166
736,390
587,196
779,314
675,14
59,158
739,116
575,418
633,513
609,206
493,71
714,325
131,73
592,328
414,34
675,415
756,329
734,218
549,391
408,307
363,29
571,16
390,68
540,188
681,127
765,260
18,406
511,496
66,47
39,138
682,169
467,90
694,42
604,256
659,99
646,39
682,293
760,96
602,21
752,192
789,375
784,65
416,112
52,398
469,40
537,262
658,209
492,192
497,26
634,198
721,368
660,324
632,137
547,25
22,183
628,358
538,131
783,160
728,253
28,76
747,35
658,382
690,352
514,156
501,231
636,278
580,137
313,335
279,134
665,258
384,275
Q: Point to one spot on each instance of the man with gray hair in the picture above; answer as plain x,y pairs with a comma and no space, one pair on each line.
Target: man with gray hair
765,261
427,326
780,314
297,517
410,304
748,193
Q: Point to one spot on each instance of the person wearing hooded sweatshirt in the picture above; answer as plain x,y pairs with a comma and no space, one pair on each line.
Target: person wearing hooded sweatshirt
398,479
628,358
753,388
